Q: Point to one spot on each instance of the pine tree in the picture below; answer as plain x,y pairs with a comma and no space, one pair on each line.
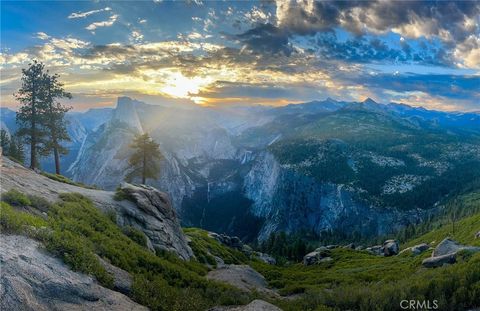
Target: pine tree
54,119
4,141
29,116
144,161
16,149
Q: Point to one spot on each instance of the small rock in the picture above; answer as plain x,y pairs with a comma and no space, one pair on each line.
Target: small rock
439,261
375,250
390,248
477,236
266,258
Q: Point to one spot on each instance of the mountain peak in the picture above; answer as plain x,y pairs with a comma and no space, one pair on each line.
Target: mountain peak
369,101
126,112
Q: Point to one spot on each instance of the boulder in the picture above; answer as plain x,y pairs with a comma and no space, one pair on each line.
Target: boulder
332,246
315,257
390,248
350,246
153,214
265,258
449,246
375,250
420,248
439,261
230,241
31,279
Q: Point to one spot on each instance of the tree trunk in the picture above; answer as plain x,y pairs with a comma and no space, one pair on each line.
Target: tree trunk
33,146
57,160
144,165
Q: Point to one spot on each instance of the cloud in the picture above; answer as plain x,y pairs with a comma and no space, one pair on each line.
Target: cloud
265,39
450,22
42,36
85,14
107,23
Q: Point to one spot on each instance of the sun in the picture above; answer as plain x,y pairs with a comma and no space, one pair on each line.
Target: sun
179,86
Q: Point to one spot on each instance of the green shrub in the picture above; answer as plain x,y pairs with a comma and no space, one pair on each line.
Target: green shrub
66,180
136,235
16,198
121,195
39,203
12,221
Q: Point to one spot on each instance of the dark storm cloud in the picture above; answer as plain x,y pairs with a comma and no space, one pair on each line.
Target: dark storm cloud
380,16
265,38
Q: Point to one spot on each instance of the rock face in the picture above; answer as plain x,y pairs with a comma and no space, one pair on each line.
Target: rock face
32,280
151,211
153,214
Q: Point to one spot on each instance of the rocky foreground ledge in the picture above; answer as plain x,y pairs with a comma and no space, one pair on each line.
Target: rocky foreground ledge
146,208
31,279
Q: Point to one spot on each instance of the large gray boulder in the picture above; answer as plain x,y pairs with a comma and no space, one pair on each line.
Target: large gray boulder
153,214
449,246
446,252
439,261
32,280
390,248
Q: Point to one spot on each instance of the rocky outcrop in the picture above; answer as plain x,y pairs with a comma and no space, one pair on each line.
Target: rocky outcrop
149,211
449,246
446,253
230,241
33,280
389,248
319,255
256,305
153,214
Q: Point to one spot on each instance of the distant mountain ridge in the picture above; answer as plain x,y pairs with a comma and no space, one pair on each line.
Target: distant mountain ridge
358,168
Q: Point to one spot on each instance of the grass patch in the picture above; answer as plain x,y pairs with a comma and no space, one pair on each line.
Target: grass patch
66,180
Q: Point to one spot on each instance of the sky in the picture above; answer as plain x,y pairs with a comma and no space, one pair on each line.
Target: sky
422,53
